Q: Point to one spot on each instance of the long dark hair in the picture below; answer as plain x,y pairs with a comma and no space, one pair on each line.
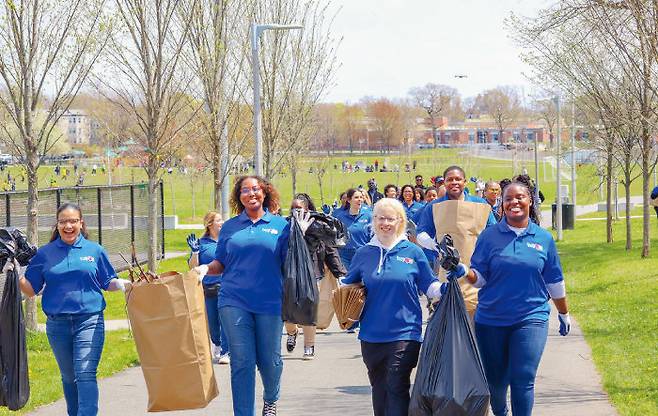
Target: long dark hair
306,199
271,201
401,197
533,215
63,207
350,193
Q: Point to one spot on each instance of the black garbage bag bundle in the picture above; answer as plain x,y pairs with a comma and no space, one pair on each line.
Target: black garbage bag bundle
14,383
330,230
450,379
300,290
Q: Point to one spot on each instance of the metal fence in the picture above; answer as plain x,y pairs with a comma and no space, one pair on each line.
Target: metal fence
114,215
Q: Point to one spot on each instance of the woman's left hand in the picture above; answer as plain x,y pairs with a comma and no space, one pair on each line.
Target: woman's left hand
303,218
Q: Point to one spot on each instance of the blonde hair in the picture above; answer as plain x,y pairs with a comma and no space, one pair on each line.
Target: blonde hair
397,207
208,221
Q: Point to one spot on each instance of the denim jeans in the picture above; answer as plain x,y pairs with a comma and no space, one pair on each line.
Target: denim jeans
217,334
254,340
77,343
389,367
511,355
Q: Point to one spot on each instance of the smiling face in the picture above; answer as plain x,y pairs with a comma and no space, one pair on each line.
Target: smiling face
454,182
217,224
492,192
69,224
391,192
385,223
252,195
516,205
356,200
408,194
431,195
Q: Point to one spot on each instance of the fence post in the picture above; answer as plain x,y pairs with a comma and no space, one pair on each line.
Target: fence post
58,197
99,206
162,220
8,210
132,213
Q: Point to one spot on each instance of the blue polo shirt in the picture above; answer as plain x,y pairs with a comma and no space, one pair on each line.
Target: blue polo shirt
207,249
392,278
73,276
412,209
253,255
359,227
517,270
426,219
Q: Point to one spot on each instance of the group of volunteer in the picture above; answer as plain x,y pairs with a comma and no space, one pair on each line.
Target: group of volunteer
514,270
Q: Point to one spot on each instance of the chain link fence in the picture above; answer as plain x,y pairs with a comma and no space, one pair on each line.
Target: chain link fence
114,215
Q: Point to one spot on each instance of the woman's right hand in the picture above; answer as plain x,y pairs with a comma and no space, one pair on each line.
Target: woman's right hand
193,243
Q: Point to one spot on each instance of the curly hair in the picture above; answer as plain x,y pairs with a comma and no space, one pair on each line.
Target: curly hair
530,190
401,196
271,201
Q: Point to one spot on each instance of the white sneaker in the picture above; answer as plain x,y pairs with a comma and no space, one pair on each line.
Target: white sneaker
224,359
216,352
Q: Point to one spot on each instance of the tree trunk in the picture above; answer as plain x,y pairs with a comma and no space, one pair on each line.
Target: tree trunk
627,189
293,177
646,177
32,165
608,195
217,177
153,216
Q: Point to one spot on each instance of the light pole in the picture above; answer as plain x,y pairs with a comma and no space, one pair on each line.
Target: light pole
558,203
573,153
256,30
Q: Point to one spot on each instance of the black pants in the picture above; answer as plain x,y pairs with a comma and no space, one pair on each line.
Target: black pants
656,209
389,370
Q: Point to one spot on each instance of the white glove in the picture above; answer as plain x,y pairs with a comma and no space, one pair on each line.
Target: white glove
565,323
201,270
303,218
119,284
9,266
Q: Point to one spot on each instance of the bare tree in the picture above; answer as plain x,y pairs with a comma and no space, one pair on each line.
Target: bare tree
144,76
46,52
503,105
296,69
219,37
386,118
436,100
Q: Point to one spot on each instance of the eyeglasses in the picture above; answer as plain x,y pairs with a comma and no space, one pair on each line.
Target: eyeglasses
254,189
389,220
71,221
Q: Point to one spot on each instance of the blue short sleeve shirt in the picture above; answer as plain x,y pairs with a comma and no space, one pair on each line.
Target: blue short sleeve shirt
359,227
207,249
426,218
392,278
72,277
517,270
253,255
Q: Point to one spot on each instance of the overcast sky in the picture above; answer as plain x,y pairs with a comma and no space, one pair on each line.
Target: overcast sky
390,46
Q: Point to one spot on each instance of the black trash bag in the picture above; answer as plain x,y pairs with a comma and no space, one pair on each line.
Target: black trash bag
450,379
14,383
328,229
300,290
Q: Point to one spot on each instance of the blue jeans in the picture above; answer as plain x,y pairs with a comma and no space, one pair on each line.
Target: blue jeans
254,340
77,343
217,334
511,355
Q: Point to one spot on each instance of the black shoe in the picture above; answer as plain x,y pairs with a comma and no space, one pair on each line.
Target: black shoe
269,409
291,342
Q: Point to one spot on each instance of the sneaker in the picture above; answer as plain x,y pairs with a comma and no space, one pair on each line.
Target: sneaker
216,352
309,353
269,409
292,341
224,359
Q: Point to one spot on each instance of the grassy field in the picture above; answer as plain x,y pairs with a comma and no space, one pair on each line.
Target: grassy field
613,295
190,196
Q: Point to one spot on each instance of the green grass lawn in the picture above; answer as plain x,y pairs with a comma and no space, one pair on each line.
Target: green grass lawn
612,294
190,196
45,384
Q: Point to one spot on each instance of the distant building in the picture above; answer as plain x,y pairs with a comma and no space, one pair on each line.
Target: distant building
79,127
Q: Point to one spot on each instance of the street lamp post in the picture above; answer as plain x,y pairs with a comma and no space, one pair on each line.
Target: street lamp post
256,30
558,203
573,153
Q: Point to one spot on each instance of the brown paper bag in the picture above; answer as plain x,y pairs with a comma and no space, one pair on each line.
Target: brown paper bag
464,221
169,324
326,308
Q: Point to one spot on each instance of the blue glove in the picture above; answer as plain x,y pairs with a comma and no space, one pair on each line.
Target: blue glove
326,209
565,323
460,271
193,243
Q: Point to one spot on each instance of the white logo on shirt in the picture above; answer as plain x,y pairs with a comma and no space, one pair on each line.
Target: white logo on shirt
536,246
405,259
271,231
89,259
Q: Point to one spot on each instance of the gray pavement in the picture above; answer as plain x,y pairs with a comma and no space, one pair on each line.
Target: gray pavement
336,383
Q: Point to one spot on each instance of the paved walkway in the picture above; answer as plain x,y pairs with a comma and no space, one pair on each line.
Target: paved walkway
336,383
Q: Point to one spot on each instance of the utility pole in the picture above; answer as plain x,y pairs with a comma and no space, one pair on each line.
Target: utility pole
573,153
558,203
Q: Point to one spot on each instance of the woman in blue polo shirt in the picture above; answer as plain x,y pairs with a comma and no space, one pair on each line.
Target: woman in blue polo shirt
517,268
357,219
251,251
393,270
72,272
203,252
